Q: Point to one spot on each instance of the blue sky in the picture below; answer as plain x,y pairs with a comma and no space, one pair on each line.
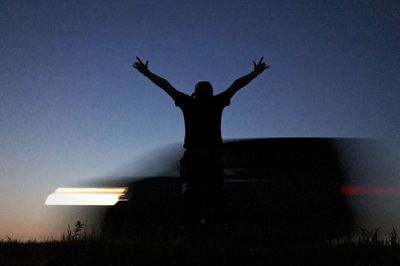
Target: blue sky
72,108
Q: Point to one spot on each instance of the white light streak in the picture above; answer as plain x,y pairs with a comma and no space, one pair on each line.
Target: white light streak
87,196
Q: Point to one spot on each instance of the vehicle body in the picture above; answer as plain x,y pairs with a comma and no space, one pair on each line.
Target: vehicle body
301,188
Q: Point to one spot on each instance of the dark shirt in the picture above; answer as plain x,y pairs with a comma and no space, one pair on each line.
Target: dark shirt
202,119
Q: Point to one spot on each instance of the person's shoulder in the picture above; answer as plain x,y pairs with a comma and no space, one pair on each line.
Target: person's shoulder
181,98
223,98
224,94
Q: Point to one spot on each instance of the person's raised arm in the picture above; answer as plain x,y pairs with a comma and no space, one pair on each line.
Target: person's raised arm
243,81
159,81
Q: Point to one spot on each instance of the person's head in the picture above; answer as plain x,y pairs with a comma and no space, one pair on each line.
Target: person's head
203,89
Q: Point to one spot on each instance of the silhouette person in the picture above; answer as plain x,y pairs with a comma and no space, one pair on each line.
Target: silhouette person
201,165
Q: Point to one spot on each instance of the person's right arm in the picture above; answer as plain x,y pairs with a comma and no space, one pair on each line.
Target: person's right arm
159,81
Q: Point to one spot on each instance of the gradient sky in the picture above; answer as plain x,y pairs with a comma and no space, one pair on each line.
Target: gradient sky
72,108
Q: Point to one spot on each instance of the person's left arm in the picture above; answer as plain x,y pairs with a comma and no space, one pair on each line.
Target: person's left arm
246,79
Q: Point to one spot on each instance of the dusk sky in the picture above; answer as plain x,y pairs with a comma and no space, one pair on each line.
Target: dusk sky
72,107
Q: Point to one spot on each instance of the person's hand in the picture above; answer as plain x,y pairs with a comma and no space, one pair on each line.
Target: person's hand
141,67
260,66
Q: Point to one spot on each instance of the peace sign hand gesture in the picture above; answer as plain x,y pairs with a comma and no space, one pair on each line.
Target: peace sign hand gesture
141,67
260,66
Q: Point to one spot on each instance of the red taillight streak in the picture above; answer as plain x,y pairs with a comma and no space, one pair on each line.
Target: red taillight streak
355,190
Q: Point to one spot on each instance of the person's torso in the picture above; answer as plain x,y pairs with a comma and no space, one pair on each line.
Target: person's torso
203,123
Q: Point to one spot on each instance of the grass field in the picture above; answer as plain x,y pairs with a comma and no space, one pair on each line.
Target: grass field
203,247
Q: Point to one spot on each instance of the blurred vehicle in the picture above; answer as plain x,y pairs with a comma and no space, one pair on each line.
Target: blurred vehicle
289,187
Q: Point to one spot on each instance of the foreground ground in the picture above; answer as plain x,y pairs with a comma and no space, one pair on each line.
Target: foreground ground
204,248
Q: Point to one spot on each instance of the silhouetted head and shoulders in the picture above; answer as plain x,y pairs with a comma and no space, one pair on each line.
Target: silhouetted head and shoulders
202,112
202,96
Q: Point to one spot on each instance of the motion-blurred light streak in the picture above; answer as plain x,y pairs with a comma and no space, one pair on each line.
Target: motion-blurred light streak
87,196
358,190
